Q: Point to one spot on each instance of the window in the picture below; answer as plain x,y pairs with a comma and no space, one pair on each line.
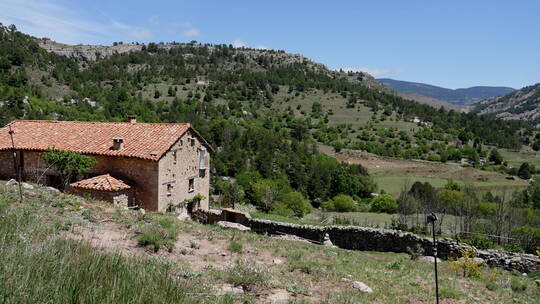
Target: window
191,185
202,172
169,189
192,141
175,154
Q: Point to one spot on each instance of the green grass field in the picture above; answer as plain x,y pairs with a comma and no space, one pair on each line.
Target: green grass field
62,249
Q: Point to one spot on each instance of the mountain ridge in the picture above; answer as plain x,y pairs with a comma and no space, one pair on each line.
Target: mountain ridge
522,105
460,96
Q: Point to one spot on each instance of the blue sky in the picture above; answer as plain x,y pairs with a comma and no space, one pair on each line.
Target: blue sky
448,43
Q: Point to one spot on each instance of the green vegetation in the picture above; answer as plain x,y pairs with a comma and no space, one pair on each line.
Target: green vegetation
42,263
68,163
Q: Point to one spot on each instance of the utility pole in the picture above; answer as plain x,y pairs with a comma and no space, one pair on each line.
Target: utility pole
432,218
16,165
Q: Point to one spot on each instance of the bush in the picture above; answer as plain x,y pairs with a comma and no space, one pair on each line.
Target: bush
244,273
467,263
384,203
234,246
295,202
529,238
518,285
155,235
340,203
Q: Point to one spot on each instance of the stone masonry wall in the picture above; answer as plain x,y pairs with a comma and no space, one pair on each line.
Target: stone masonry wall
176,170
363,238
143,173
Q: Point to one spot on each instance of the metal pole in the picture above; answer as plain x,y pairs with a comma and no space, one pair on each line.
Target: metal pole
435,260
16,165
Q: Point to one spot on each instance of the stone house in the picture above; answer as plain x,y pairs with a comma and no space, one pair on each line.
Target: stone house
150,165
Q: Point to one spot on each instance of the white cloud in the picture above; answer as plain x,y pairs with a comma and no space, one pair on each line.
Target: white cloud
239,43
132,31
192,32
45,18
153,20
374,72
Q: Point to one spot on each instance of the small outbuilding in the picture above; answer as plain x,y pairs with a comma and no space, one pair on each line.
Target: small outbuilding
106,188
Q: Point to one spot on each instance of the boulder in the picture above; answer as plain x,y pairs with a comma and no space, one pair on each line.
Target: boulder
11,182
361,287
237,226
27,186
428,259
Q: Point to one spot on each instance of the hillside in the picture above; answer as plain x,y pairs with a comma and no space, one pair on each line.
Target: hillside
265,111
523,105
436,103
60,248
460,97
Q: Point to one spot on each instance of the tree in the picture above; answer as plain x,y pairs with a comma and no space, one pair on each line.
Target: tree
68,163
496,157
295,202
536,145
526,170
171,92
384,203
157,94
265,193
340,203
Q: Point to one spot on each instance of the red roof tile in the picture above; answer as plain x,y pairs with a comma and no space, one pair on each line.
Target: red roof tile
102,182
141,140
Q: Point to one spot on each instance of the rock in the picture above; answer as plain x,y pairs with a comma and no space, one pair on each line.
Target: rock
428,259
327,241
345,279
361,287
228,289
237,226
11,182
278,296
27,186
223,254
51,189
277,261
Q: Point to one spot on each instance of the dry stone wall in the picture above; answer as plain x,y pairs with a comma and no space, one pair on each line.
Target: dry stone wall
371,239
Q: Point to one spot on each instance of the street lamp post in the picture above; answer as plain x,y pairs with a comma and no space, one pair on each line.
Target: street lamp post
432,218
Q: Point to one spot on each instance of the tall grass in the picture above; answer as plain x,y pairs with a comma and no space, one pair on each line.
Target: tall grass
38,267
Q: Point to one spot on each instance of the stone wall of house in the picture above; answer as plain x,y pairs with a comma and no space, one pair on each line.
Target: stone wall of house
177,167
363,238
143,174
7,170
123,198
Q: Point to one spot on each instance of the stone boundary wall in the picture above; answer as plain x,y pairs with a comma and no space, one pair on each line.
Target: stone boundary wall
372,239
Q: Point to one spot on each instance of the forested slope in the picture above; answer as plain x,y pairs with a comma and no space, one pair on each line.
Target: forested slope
238,98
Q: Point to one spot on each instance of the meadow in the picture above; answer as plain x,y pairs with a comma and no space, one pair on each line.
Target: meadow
62,249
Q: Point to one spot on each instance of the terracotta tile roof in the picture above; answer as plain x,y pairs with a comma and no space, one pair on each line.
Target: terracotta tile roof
102,182
141,140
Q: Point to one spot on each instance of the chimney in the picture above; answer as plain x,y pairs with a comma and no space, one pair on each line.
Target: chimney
132,119
118,143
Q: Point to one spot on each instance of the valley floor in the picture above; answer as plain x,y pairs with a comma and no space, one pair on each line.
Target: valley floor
59,248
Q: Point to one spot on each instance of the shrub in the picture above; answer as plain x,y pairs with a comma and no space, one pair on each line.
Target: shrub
467,263
416,252
234,246
155,235
518,284
340,203
529,238
245,274
384,203
295,202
